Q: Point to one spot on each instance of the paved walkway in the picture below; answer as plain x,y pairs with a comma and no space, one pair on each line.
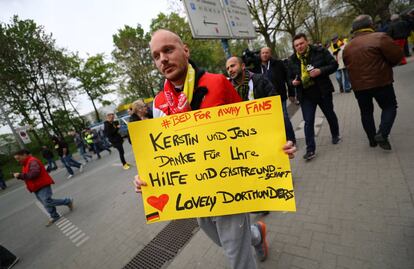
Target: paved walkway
354,207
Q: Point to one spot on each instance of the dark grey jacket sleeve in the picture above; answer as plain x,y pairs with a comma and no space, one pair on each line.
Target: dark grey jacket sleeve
34,171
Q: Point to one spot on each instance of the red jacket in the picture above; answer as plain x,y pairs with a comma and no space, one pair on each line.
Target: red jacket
217,91
35,180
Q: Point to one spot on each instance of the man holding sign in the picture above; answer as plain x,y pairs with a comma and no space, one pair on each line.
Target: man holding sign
188,88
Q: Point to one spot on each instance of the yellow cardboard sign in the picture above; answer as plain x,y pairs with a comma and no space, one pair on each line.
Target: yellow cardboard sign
217,161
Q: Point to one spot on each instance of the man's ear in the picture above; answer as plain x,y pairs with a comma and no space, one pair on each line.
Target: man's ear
186,51
243,66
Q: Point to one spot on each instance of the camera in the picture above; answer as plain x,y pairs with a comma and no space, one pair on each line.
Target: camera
251,58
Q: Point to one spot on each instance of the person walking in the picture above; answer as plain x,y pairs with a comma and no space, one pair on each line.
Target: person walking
336,48
189,88
3,185
62,149
111,131
80,145
309,70
369,58
48,155
93,140
399,30
7,258
39,182
275,71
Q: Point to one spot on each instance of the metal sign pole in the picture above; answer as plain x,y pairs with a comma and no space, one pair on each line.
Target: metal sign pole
226,47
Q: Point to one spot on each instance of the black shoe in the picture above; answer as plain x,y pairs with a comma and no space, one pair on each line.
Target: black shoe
13,263
336,139
309,155
373,143
382,142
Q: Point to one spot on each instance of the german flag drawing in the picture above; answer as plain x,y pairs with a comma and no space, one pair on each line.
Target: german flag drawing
153,216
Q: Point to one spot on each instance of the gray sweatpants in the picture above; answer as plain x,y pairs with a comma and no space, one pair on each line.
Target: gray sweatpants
235,235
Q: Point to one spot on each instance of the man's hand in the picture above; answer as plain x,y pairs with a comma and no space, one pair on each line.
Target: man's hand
138,184
292,99
16,175
295,82
289,148
315,73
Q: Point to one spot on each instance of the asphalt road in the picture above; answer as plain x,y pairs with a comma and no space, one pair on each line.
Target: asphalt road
105,230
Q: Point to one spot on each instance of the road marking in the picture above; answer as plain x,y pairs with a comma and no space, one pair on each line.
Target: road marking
61,222
71,232
66,225
82,241
64,230
75,234
67,228
78,237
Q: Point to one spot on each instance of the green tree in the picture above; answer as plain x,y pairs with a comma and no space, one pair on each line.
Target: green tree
133,57
24,79
375,8
95,76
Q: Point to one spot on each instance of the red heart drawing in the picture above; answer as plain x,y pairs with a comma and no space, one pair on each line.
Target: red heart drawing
158,202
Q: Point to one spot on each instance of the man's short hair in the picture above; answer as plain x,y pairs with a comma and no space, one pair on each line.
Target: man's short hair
361,22
299,36
22,152
239,59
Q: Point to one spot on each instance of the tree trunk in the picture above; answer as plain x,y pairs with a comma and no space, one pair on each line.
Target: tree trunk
98,119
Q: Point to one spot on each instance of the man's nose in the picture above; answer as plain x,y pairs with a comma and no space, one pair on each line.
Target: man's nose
163,57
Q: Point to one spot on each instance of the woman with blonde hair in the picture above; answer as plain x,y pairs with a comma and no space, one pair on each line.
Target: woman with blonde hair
140,111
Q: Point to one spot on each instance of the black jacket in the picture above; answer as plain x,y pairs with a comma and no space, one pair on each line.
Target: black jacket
262,87
134,117
320,58
399,29
47,153
278,76
60,144
111,131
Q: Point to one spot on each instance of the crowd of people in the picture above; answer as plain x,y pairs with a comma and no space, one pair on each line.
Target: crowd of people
362,64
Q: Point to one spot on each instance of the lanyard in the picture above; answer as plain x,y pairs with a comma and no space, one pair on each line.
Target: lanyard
267,68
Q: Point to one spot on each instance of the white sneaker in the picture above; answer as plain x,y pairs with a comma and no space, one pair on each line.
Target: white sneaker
81,168
70,176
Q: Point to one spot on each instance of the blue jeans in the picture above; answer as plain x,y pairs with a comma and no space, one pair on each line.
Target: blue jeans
83,153
51,164
343,79
385,97
44,195
2,182
308,106
68,161
290,133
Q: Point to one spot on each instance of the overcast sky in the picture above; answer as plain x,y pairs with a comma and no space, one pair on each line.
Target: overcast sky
85,26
